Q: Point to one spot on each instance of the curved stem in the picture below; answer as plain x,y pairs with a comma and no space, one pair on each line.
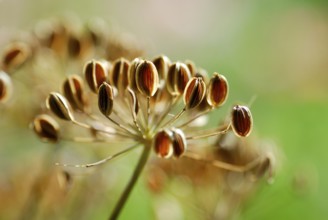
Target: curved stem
136,173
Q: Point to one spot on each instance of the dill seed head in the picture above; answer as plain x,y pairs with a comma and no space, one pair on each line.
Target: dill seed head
105,99
177,78
74,47
15,55
46,128
194,92
119,74
159,105
132,73
73,90
179,142
147,78
191,66
95,74
163,144
162,64
217,92
59,106
241,120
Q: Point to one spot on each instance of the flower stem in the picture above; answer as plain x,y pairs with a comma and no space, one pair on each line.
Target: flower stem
136,173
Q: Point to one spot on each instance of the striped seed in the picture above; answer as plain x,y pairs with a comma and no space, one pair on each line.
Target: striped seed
218,89
147,78
46,128
59,106
105,99
194,92
241,120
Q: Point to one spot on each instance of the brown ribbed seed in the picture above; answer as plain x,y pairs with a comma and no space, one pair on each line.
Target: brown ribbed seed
73,91
132,73
46,128
191,66
74,46
241,120
15,55
59,106
177,78
162,64
179,142
5,87
194,92
105,99
95,74
147,78
119,74
163,144
218,89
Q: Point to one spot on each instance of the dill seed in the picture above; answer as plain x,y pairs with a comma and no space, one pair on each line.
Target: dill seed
241,120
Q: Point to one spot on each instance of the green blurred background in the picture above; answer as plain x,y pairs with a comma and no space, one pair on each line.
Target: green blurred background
276,50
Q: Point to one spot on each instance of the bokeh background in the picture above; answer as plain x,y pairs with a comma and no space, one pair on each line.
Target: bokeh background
276,50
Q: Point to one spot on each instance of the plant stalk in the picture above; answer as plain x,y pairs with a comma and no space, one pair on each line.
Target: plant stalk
136,173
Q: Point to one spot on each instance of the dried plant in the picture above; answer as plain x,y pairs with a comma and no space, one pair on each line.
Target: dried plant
135,103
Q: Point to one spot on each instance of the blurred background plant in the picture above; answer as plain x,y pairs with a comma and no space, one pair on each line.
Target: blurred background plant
276,50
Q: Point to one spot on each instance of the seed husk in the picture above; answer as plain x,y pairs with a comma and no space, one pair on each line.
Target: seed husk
105,99
119,74
132,74
163,144
194,92
6,87
241,120
15,55
59,106
177,78
96,30
74,46
191,66
95,74
162,64
46,128
218,90
73,90
179,142
266,166
147,78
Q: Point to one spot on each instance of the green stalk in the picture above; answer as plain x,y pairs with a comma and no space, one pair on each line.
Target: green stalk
136,173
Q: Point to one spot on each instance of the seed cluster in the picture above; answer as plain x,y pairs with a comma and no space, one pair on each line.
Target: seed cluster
120,97
145,101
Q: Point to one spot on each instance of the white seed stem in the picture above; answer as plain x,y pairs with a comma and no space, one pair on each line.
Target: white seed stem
122,127
166,112
81,124
224,165
100,161
194,118
209,134
172,120
148,111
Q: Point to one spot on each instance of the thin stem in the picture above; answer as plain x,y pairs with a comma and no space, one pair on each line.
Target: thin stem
81,124
224,165
172,120
166,112
100,161
125,195
209,134
194,118
148,111
122,127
